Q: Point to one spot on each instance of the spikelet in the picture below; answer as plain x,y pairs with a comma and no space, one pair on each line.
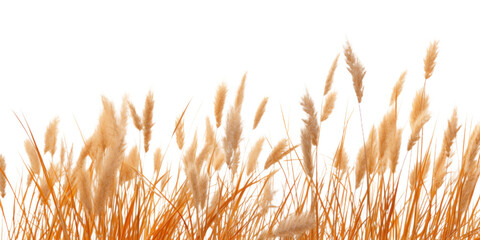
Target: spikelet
415,135
472,148
233,134
51,136
467,189
85,190
328,106
419,172
356,69
218,160
311,123
366,156
397,89
179,132
267,197
147,120
3,177
260,112
394,150
137,120
329,81
450,134
294,225
429,60
32,156
418,116
240,94
123,121
220,102
276,154
307,152
340,160
157,160
386,131
253,156
129,167
54,174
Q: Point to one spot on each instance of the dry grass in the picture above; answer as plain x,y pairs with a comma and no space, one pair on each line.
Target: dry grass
218,192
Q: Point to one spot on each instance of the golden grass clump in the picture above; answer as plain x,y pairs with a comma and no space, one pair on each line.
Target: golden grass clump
147,120
112,193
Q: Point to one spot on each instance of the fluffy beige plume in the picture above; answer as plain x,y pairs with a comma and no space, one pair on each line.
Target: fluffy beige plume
84,184
3,177
356,69
179,132
340,160
157,160
418,116
32,156
137,120
54,173
429,60
218,159
233,134
329,81
386,131
397,89
209,133
277,153
260,112
394,150
328,106
197,183
440,166
417,127
267,197
468,187
130,165
311,123
366,156
123,121
240,94
294,225
220,103
307,151
253,156
472,148
148,120
51,136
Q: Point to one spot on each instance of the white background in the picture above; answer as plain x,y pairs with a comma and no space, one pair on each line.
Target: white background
57,58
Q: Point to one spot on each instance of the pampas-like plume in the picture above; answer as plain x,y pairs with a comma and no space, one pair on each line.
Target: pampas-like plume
394,150
260,112
340,160
51,136
356,69
419,172
137,120
220,102
129,167
147,120
386,132
418,125
311,123
329,81
240,94
179,133
85,190
277,153
157,160
233,134
440,166
253,156
218,159
307,152
468,186
429,60
472,148
32,156
418,116
328,106
3,178
54,173
397,89
267,197
366,156
294,225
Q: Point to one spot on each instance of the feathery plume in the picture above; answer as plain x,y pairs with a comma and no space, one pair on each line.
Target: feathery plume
356,69
468,186
130,166
147,120
179,132
328,106
260,112
32,156
294,225
3,177
311,123
276,154
329,81
157,160
233,134
418,116
85,190
386,132
419,172
253,156
218,160
472,148
394,149
307,151
137,120
366,156
397,89
429,60
240,94
51,136
220,102
340,160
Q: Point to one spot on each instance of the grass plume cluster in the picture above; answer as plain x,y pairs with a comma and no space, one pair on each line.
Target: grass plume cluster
230,187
